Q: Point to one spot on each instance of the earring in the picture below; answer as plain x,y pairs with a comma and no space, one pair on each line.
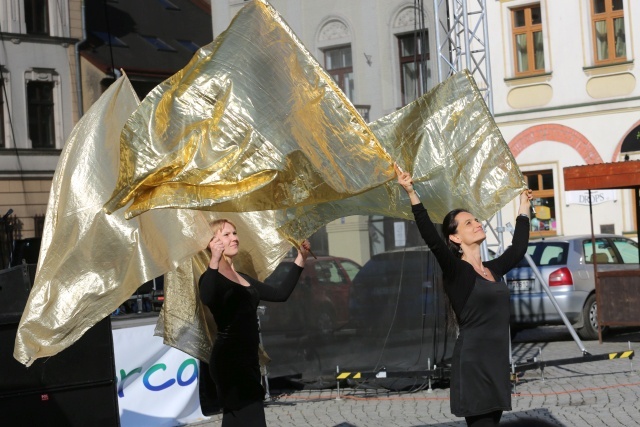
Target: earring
460,249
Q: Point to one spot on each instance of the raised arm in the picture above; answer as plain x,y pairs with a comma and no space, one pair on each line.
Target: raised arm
514,253
281,292
425,226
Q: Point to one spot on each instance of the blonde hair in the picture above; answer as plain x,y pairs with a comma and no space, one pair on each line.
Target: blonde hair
218,225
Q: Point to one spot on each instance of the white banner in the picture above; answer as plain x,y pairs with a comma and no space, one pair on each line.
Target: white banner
157,384
582,197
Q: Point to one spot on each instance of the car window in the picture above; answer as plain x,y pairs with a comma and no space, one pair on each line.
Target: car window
628,250
328,273
552,255
546,253
351,268
604,253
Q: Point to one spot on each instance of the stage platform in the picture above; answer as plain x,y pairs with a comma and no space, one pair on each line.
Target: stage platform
134,319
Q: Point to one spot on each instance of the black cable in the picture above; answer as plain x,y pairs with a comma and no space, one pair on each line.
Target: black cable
108,28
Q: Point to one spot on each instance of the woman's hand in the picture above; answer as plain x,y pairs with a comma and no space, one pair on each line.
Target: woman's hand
303,252
217,249
406,181
525,202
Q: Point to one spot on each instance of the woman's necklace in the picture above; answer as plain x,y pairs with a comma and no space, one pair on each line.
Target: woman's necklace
479,270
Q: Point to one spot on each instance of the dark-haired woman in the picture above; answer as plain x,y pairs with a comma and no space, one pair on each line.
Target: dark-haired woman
233,298
480,385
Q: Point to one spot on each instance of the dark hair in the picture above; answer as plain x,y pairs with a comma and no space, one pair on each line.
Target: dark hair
449,227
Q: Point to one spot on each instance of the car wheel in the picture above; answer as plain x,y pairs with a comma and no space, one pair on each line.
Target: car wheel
589,330
325,322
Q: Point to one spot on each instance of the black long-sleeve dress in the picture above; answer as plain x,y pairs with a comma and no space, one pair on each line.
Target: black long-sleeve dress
234,364
480,366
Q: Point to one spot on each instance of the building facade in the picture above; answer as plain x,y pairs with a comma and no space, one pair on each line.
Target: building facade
37,107
56,59
566,93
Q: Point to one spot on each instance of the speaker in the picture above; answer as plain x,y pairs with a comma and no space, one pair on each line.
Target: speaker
15,285
76,387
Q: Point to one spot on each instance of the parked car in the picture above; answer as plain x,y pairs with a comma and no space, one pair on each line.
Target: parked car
566,263
319,303
398,312
395,288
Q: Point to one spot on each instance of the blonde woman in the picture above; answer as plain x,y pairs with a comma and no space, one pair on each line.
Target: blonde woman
233,298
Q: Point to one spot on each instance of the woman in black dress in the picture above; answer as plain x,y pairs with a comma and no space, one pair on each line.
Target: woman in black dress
480,387
233,298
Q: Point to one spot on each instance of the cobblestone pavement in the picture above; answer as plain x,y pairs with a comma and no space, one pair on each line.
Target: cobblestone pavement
600,393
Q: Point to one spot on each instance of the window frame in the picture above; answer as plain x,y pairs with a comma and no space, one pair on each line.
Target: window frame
52,77
13,18
543,193
342,71
608,16
5,98
29,18
528,29
416,58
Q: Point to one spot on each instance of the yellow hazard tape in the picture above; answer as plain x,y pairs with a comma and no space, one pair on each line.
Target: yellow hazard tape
622,355
345,375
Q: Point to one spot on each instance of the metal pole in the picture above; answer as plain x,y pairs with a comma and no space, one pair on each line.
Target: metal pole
547,290
263,369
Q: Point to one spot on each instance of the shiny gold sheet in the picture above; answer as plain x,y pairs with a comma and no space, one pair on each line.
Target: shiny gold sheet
251,123
91,262
280,155
456,154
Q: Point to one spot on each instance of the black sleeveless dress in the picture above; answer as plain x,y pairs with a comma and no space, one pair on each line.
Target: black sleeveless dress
480,366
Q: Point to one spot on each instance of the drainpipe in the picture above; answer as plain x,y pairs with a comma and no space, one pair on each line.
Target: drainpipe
78,65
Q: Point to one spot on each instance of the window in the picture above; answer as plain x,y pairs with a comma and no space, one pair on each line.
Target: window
628,250
604,253
351,268
544,221
338,64
189,45
158,44
168,5
41,114
36,14
109,39
527,40
609,40
2,117
414,52
2,106
328,273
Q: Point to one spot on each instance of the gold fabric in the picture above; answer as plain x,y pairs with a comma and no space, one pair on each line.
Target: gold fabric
455,151
91,262
255,131
251,123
